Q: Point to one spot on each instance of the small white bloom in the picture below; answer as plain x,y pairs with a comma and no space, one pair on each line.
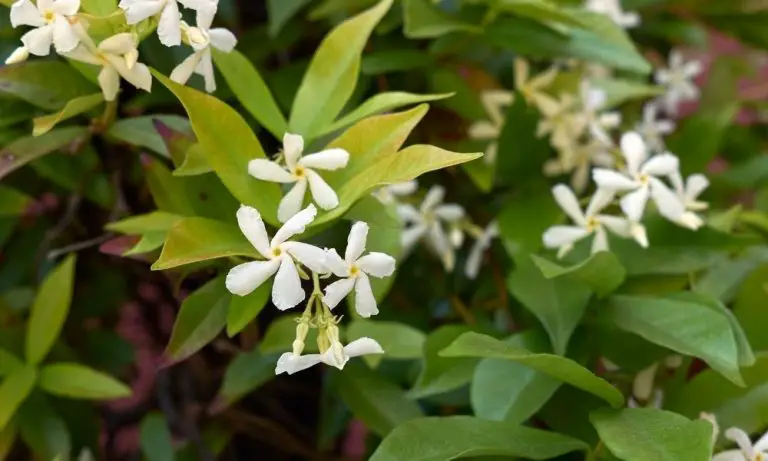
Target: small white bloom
483,242
201,39
688,193
641,179
599,124
53,21
117,56
391,193
652,129
280,255
337,356
586,223
578,160
612,9
427,222
678,81
560,119
532,89
20,54
169,26
300,170
355,271
494,102
746,451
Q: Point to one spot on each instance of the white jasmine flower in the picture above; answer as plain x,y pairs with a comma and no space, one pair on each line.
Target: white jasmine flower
426,222
532,89
482,243
678,81
641,179
652,129
494,102
746,451
300,170
280,255
20,54
578,159
117,55
337,356
587,223
688,193
560,120
202,38
612,9
355,271
53,21
391,193
599,124
169,27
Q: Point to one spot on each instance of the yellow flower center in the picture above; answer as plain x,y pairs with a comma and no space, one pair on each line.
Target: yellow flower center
276,252
354,271
644,179
49,16
592,223
299,172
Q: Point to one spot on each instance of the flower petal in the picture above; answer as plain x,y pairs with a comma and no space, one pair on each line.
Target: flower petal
286,290
293,146
661,165
742,440
66,7
252,226
363,346
377,264
139,10
633,204
266,170
309,255
292,201
434,197
600,199
169,27
335,264
205,69
118,44
223,40
618,226
634,151
669,204
109,80
365,302
331,159
244,278
613,180
483,130
694,186
438,239
730,455
20,54
408,213
83,54
558,236
762,444
296,225
638,233
449,212
25,13
291,363
600,242
356,242
567,200
64,37
205,14
337,291
138,76
403,188
38,41
183,71
411,235
322,193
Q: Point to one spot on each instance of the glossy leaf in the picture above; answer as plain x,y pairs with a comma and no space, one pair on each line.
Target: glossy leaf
14,389
540,10
280,335
42,429
602,271
24,150
50,310
73,108
244,309
13,202
245,373
750,307
425,20
566,370
440,373
155,438
8,363
80,382
194,163
141,131
47,84
399,340
281,11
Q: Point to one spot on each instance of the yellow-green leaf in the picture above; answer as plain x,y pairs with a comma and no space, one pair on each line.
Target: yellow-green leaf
243,309
73,108
77,381
14,389
24,150
12,202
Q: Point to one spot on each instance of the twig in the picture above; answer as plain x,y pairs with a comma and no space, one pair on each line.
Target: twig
53,254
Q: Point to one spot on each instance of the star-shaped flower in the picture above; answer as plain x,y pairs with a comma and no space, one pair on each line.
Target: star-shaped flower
336,356
355,270
652,129
494,101
746,451
482,243
678,81
598,122
53,21
300,170
532,89
391,193
688,193
280,255
169,27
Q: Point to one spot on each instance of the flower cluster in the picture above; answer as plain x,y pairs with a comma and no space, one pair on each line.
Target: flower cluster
56,23
745,451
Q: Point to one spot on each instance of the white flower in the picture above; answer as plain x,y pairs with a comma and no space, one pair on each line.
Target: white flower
688,193
202,38
593,100
20,54
117,55
746,451
532,89
355,270
578,159
169,27
337,356
494,102
300,170
587,223
390,194
561,120
279,254
482,243
678,81
641,179
612,9
53,21
652,129
425,222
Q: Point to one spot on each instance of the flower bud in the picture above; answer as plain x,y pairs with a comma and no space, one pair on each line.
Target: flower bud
298,347
20,54
336,356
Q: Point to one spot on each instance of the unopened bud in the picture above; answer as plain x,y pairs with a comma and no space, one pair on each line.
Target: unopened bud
20,54
336,356
298,347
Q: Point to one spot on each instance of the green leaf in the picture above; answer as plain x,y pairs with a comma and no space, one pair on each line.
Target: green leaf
8,363
73,108
24,150
281,11
701,136
602,271
47,84
244,309
332,74
155,438
559,304
281,333
566,370
42,429
228,144
724,280
7,439
380,404
201,318
50,310
400,341
141,131
14,389
684,326
619,91
193,240
245,373
156,221
524,219
440,373
80,382
12,202
521,153
424,20
249,88
454,437
645,434
539,10
194,162
99,8
382,102
503,390
750,307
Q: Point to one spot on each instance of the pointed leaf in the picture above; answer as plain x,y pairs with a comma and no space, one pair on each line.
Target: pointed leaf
155,438
42,429
423,19
440,373
13,202
24,150
14,389
401,341
142,131
80,382
245,373
602,271
73,108
47,84
244,309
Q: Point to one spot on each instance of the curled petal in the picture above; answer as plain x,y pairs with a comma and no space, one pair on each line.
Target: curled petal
290,363
365,302
337,291
292,201
118,44
183,71
223,40
434,197
742,440
694,186
377,264
20,54
252,226
669,204
600,243
483,130
286,290
363,346
403,188
266,170
109,80
619,226
244,278
411,235
331,159
138,76
64,37
322,193
309,255
296,225
356,242
137,10
613,180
